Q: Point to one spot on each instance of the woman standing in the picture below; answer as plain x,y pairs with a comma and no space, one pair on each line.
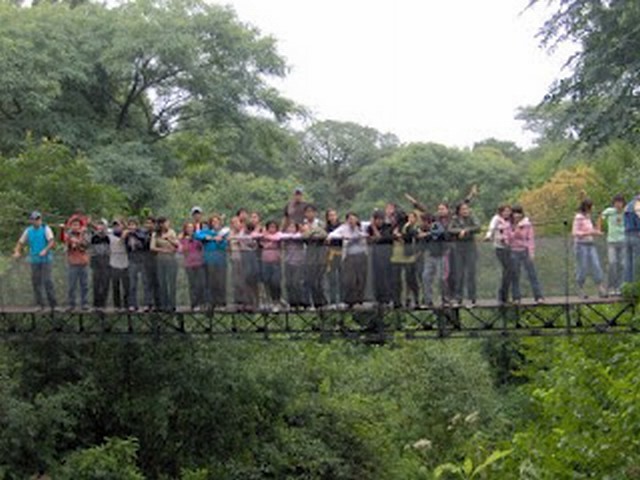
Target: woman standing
463,228
334,255
499,232
354,258
192,253
165,244
522,245
587,260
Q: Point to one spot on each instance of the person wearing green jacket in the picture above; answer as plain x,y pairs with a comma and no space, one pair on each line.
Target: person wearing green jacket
463,229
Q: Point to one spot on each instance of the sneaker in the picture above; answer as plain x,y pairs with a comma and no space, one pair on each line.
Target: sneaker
540,300
602,292
132,309
582,293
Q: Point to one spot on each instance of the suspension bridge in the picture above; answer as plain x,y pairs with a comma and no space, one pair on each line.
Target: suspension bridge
563,312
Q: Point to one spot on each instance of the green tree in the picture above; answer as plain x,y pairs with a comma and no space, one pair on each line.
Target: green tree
333,152
137,71
113,460
599,99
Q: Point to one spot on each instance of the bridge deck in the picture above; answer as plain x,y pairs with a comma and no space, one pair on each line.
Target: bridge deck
369,322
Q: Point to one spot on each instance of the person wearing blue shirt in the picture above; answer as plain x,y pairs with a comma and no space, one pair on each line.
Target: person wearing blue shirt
214,238
39,240
632,239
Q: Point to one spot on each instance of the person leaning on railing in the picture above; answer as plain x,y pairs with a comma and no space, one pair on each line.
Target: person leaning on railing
354,258
165,244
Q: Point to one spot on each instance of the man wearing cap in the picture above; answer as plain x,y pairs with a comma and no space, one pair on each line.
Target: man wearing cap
196,216
294,210
39,239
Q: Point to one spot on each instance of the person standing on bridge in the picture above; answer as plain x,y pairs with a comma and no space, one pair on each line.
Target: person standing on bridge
138,243
39,239
294,209
118,266
354,258
381,239
587,259
100,252
463,228
614,217
522,242
165,244
214,236
77,243
314,236
499,232
334,257
192,254
632,240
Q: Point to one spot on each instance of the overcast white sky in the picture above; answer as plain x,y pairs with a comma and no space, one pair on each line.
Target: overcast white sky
449,71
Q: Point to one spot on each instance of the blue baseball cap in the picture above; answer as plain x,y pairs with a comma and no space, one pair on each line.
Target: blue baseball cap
35,215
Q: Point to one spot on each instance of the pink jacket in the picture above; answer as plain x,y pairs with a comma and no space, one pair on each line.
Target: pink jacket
192,252
271,247
582,229
521,238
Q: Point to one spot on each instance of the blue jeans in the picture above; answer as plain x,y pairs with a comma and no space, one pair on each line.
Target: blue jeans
78,275
137,270
616,253
587,260
522,259
434,268
632,264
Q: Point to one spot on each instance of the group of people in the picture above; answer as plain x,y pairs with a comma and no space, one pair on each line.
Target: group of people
301,261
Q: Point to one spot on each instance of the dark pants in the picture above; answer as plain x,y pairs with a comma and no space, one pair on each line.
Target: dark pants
522,259
314,274
167,277
41,278
195,277
333,277
294,283
245,272
137,272
272,276
382,274
504,257
78,275
217,286
151,274
410,277
354,278
466,256
120,287
100,277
